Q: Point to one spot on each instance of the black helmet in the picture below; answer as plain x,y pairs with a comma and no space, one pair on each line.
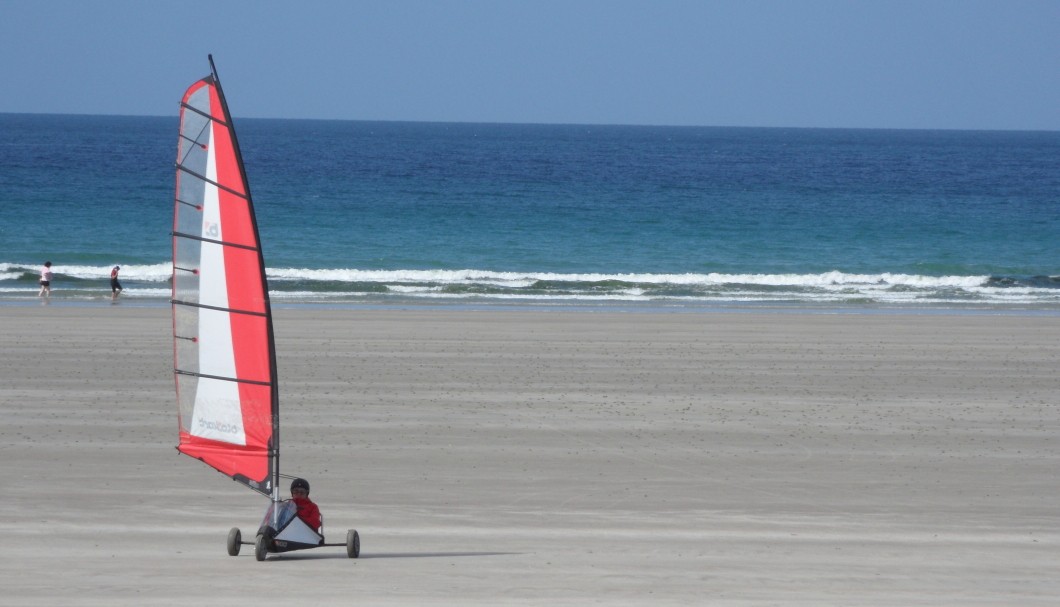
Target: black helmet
300,483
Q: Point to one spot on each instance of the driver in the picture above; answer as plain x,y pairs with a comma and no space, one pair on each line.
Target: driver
307,510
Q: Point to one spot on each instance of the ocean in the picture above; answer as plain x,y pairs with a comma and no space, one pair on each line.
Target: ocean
391,213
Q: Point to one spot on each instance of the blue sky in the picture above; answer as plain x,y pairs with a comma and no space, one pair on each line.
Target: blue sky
950,64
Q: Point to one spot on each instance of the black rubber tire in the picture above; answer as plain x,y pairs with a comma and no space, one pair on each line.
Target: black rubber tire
260,547
235,540
353,544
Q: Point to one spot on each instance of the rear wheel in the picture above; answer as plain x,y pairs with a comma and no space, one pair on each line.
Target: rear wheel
235,540
260,548
353,544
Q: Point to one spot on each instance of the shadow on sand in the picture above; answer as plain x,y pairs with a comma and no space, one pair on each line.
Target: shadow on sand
297,555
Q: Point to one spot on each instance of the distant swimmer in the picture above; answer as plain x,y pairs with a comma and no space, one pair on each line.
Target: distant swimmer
46,280
115,286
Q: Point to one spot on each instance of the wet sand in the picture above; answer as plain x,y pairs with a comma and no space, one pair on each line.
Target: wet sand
519,457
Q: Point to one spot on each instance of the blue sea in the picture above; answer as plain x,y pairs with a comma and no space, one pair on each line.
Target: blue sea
391,213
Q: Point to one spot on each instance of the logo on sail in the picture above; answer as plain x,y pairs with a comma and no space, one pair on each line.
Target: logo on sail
218,426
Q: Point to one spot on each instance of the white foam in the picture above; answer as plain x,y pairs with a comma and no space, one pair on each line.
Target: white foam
825,287
518,279
151,272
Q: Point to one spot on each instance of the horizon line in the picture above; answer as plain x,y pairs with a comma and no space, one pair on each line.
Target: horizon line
572,124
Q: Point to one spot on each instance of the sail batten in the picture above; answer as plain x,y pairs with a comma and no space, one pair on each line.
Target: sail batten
211,182
230,310
224,355
217,242
232,379
215,119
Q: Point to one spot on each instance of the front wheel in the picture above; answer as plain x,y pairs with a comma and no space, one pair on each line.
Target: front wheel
235,540
353,544
260,547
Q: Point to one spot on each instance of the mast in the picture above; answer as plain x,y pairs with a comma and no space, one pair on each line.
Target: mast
274,447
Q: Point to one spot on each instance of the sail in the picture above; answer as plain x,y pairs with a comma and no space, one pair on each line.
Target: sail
224,355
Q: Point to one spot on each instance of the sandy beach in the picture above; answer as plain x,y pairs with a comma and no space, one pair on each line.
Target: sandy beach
551,457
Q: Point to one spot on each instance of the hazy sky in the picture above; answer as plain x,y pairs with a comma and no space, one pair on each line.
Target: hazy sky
966,64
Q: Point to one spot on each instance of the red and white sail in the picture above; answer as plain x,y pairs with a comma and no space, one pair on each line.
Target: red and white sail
224,356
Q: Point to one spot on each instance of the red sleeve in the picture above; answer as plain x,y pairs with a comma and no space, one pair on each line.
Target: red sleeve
312,516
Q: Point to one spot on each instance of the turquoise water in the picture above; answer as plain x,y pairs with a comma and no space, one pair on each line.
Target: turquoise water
543,214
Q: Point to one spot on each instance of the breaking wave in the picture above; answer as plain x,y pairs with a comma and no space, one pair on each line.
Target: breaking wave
297,285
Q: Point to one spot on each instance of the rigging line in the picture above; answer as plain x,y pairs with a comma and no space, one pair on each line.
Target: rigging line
192,270
195,141
211,182
204,114
190,204
222,378
217,308
212,241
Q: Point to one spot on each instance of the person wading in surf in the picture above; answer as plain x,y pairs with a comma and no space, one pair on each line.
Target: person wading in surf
115,286
46,280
